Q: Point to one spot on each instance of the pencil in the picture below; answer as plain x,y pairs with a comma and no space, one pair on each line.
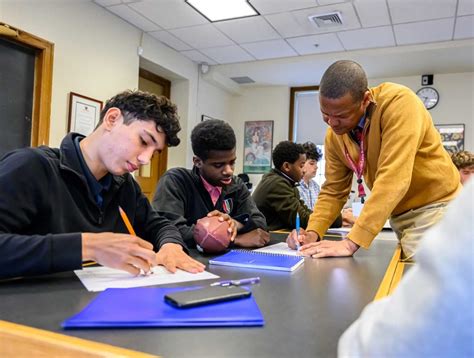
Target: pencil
132,232
127,222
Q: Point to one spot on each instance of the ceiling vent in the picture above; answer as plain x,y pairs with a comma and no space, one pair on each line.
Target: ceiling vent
242,80
328,20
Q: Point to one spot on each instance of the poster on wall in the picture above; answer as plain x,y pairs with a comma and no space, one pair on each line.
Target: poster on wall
452,136
258,144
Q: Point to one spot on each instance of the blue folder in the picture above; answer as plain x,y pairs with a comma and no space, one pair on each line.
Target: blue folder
145,307
258,260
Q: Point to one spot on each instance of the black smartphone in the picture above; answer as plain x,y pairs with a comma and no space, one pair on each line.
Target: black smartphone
206,295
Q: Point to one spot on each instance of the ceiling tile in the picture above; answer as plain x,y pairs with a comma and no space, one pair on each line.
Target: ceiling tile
367,38
170,40
330,2
269,49
107,2
169,14
198,57
465,7
250,29
202,36
228,54
286,25
426,31
464,27
275,6
132,17
419,10
306,45
372,12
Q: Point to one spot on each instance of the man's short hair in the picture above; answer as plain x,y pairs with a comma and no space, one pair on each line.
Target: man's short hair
463,159
212,134
286,151
312,152
144,106
343,77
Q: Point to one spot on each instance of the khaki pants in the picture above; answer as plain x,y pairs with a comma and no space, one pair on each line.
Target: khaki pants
411,225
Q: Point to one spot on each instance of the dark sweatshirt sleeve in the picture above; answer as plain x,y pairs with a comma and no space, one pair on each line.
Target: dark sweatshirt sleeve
23,190
169,201
157,228
246,208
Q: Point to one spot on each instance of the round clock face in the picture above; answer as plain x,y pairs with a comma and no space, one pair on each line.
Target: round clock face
429,96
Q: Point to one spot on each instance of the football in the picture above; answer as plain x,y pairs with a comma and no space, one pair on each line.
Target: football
211,235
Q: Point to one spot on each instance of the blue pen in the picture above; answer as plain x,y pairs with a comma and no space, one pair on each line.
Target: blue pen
244,281
297,226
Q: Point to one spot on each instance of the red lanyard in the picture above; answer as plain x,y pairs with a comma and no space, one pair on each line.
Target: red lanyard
359,168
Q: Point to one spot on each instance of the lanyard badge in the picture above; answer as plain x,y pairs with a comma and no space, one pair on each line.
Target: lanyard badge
358,168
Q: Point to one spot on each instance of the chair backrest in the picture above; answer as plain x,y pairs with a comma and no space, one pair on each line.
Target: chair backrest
245,178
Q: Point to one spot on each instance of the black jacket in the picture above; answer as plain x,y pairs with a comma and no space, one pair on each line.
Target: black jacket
182,198
45,205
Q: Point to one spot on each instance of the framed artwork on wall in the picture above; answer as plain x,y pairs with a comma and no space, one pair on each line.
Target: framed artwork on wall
258,144
84,113
452,136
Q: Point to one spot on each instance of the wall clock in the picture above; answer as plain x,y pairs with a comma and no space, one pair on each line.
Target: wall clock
429,96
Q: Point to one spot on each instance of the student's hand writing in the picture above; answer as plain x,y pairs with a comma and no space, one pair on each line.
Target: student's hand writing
172,257
305,237
119,251
254,238
327,248
233,225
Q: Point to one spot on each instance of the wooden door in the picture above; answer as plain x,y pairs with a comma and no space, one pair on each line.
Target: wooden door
31,106
149,175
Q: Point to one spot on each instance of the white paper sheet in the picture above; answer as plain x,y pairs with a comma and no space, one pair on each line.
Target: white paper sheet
280,248
99,278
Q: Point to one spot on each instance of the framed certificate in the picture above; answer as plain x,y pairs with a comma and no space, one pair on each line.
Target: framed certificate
84,113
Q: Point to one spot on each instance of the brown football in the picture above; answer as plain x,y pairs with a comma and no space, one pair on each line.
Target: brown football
211,235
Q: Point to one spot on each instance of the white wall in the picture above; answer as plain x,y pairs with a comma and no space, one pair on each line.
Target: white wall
260,104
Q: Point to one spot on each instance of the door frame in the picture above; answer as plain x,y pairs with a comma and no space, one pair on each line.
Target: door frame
43,81
159,162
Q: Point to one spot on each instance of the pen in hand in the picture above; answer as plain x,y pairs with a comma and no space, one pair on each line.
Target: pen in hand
297,226
131,231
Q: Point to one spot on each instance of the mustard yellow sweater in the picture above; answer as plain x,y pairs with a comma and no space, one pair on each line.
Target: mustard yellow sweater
407,166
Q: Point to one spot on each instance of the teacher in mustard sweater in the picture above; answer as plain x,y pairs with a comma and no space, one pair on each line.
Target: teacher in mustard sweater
386,138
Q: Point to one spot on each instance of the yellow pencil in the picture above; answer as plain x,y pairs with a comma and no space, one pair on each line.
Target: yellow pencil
127,222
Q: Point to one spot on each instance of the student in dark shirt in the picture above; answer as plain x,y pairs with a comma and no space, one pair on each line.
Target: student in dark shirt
60,206
210,188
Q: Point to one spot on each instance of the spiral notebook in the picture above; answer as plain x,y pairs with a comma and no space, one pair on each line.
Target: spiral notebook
258,260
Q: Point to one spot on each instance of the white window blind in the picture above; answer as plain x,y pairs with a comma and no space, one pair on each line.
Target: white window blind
309,126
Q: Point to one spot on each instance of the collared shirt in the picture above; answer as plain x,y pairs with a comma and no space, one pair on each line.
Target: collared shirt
97,187
309,192
214,191
356,133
